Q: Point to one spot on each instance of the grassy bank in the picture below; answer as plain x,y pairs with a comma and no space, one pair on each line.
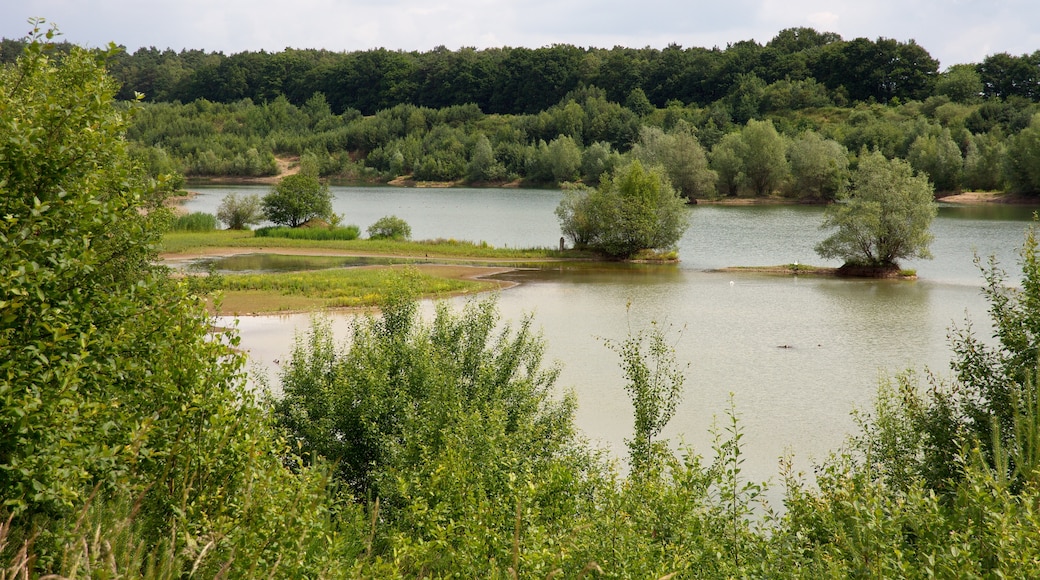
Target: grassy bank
204,242
267,293
356,287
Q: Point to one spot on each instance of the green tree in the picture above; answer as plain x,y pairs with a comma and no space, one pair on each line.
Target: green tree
297,199
638,103
238,213
577,215
727,161
984,162
819,167
563,158
764,157
882,218
482,164
598,159
681,156
938,157
635,209
1023,158
961,82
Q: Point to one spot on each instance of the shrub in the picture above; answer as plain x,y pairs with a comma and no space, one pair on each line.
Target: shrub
238,213
390,227
635,209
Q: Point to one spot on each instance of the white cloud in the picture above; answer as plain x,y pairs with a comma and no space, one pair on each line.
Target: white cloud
824,21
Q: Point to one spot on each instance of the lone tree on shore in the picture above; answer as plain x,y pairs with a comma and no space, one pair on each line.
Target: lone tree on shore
635,209
883,217
297,199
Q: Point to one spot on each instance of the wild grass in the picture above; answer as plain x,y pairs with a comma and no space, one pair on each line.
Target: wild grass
343,233
195,222
333,288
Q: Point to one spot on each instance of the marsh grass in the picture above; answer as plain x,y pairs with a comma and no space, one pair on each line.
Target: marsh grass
344,233
332,288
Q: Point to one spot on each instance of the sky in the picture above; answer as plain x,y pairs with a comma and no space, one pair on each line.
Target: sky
953,31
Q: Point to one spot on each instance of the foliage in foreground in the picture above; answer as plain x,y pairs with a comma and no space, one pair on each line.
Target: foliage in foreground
128,441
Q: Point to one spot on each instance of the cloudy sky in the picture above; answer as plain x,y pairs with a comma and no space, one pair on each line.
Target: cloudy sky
954,31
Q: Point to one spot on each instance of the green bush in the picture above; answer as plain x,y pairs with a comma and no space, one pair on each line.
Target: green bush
240,212
390,227
351,232
195,222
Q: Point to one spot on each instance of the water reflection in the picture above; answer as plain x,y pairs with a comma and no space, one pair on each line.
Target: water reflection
263,262
797,353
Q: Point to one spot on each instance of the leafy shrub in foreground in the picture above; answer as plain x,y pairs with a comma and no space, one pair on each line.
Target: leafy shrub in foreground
129,442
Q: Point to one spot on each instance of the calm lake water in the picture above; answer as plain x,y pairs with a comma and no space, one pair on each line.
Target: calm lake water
796,354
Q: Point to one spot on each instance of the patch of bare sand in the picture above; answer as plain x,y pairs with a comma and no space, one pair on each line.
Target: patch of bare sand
987,197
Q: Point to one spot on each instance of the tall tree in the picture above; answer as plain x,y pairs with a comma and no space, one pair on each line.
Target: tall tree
1023,158
764,157
819,167
681,156
938,157
883,218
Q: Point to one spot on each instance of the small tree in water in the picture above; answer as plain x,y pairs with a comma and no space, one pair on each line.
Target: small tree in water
884,217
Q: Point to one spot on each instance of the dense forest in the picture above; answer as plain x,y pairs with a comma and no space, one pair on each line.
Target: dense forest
788,117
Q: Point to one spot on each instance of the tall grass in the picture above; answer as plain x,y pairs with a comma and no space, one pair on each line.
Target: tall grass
195,222
321,234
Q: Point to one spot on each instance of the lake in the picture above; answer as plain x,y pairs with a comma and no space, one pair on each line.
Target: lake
797,354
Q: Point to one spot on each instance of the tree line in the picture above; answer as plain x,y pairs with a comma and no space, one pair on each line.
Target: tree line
517,80
803,153
563,114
